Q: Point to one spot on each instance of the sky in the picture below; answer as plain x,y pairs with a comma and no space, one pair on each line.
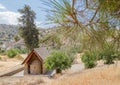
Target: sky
9,11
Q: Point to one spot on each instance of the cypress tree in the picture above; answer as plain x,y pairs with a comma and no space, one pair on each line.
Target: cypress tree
28,29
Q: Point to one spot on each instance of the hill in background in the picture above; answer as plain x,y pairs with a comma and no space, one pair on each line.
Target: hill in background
8,33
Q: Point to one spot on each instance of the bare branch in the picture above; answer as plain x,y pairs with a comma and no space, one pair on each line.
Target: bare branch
95,14
73,4
86,3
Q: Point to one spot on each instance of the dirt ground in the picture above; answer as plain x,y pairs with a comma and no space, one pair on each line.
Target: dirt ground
76,75
25,80
8,63
101,75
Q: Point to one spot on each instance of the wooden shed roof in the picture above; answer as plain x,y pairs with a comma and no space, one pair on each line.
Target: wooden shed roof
41,53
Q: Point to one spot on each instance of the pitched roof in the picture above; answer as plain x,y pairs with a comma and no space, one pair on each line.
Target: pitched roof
42,53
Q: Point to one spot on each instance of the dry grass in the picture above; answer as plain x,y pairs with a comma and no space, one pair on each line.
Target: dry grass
19,57
106,75
29,82
7,63
26,80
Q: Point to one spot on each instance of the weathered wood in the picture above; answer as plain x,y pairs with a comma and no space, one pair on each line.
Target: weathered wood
12,71
33,64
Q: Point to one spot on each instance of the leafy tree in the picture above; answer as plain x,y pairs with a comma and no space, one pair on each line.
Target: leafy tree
57,60
28,29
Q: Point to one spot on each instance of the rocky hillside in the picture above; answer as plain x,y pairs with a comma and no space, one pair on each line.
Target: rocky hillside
8,32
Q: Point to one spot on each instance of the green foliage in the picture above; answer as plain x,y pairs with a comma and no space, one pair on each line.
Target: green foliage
28,29
15,51
52,40
110,7
12,53
23,50
75,50
68,13
57,60
71,51
89,58
1,43
59,10
108,54
16,38
118,56
101,28
2,51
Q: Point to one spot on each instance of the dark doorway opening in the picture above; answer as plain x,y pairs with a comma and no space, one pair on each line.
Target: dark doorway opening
28,69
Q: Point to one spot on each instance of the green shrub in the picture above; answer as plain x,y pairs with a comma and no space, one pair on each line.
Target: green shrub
11,53
117,55
2,51
14,51
75,49
23,50
17,50
108,53
57,60
89,59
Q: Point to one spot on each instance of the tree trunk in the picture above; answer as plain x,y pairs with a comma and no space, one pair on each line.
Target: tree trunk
58,71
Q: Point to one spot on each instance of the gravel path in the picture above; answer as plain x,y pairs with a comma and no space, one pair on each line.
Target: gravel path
76,67
21,73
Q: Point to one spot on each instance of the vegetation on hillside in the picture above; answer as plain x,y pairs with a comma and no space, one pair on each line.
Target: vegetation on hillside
52,40
11,53
15,51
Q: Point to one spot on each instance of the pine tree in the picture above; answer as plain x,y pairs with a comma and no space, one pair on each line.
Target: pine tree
28,29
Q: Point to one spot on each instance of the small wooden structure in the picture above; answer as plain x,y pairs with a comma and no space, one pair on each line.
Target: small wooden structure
33,64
